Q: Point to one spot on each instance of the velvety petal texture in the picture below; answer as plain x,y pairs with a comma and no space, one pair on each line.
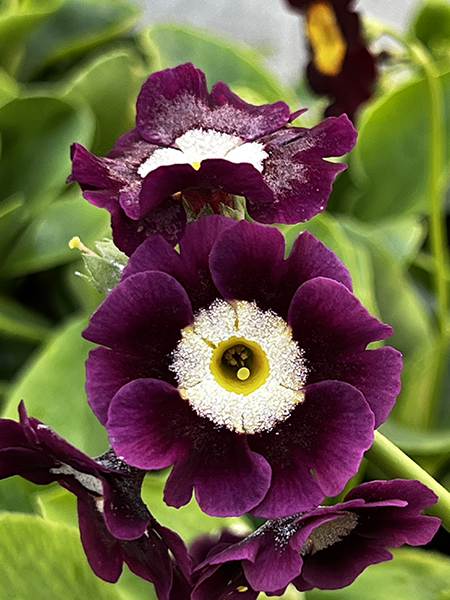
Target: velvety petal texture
327,547
168,394
199,148
115,525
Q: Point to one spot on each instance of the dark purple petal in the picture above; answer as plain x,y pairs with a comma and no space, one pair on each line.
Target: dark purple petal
214,173
29,463
142,316
107,371
246,263
376,373
296,172
225,581
167,219
246,120
333,328
101,548
152,427
328,321
309,258
176,100
327,434
125,514
171,102
191,266
340,564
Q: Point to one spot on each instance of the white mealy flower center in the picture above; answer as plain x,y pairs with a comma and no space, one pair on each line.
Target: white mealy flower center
196,144
238,366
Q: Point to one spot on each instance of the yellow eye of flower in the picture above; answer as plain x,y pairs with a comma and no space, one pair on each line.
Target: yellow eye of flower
239,365
327,42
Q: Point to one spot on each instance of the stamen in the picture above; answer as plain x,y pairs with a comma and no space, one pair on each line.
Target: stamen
196,165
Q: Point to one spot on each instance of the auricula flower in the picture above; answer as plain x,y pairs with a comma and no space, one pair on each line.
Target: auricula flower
202,148
246,371
115,525
326,548
341,66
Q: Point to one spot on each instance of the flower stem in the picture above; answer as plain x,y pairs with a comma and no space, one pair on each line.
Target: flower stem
395,463
435,189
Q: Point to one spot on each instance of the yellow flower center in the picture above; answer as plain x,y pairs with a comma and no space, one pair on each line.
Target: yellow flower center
239,365
327,42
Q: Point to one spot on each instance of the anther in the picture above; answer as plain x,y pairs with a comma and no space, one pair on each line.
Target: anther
243,373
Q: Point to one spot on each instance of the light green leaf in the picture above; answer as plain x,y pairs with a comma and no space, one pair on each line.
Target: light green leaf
220,59
78,27
188,521
17,20
389,163
45,242
18,321
41,560
412,575
431,26
52,386
417,442
36,134
110,84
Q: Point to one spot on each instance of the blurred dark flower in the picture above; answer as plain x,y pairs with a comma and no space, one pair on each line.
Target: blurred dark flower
341,66
202,148
326,548
244,370
115,525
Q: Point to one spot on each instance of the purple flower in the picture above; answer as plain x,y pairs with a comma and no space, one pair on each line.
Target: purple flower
246,371
327,547
341,66
115,525
203,148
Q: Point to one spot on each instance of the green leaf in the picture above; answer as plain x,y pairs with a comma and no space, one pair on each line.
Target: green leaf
45,242
220,59
110,84
432,27
17,495
389,161
417,442
188,521
52,386
9,87
17,20
412,575
18,321
78,27
36,134
41,559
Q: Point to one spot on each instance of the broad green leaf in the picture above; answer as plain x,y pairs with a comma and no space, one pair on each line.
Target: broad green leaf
45,242
11,220
110,84
36,135
17,495
41,560
389,163
9,87
220,59
77,28
17,20
188,521
431,26
52,386
18,321
412,575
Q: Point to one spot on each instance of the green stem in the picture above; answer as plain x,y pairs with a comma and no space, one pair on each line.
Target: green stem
395,463
435,184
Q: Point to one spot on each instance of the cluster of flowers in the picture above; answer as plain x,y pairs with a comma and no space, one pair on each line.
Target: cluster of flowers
245,370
